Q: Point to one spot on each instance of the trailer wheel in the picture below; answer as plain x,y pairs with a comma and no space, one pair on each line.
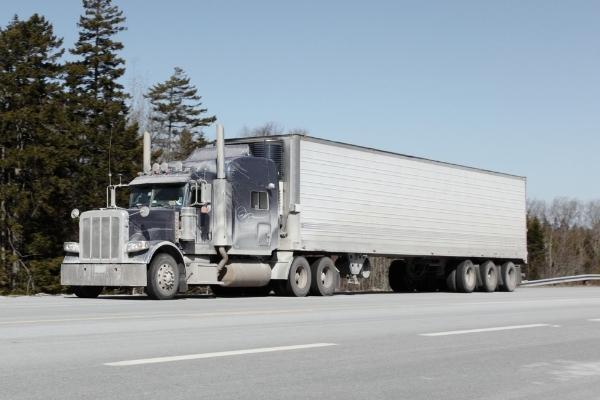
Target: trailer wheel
325,277
466,277
87,292
451,281
299,278
509,276
163,277
489,276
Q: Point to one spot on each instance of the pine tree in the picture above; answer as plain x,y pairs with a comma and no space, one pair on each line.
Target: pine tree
177,115
97,103
36,152
535,247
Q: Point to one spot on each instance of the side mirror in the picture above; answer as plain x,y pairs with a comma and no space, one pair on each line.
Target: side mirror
75,213
144,211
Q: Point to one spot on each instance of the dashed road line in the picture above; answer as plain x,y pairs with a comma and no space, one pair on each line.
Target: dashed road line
482,330
216,354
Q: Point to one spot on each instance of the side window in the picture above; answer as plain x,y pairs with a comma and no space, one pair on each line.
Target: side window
259,200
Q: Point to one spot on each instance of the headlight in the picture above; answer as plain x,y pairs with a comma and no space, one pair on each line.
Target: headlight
71,247
132,247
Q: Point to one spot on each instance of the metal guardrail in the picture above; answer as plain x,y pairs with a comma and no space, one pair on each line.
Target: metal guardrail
562,279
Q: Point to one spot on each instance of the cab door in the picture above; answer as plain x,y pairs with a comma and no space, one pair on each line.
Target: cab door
255,205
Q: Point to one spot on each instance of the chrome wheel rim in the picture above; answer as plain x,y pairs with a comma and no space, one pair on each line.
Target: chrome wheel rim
470,276
326,277
166,277
301,277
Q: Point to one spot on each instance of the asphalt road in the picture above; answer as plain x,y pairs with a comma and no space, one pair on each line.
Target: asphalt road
535,343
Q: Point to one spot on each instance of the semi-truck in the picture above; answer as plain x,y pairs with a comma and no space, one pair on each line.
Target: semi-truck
296,215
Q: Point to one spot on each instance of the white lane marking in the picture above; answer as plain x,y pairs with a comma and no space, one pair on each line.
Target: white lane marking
594,319
216,354
494,329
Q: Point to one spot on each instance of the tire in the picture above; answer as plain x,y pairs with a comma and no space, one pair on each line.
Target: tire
299,278
87,292
163,277
451,281
325,277
489,276
466,277
509,276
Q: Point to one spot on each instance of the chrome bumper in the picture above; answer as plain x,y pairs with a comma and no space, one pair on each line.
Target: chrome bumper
103,274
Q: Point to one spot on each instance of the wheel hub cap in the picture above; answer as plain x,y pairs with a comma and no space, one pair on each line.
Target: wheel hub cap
166,277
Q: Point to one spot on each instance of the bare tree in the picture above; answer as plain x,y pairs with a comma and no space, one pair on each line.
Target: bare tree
267,129
271,128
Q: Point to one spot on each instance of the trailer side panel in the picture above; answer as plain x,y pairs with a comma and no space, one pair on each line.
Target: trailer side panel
365,201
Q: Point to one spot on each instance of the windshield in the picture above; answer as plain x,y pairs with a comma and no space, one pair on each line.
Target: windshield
156,196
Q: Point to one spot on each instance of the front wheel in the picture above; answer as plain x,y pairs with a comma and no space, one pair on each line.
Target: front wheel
163,277
87,292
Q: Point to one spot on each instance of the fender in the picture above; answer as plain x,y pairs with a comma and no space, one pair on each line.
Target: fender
174,250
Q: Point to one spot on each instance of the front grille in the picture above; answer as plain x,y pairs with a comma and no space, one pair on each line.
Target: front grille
100,237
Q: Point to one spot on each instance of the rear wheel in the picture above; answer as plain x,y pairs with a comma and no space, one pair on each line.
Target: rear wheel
466,277
299,278
163,277
451,281
509,276
87,292
325,277
489,276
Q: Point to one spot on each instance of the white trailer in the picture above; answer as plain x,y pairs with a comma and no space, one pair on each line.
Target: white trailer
430,216
295,214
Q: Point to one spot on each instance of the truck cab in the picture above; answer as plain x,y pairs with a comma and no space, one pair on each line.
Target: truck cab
185,221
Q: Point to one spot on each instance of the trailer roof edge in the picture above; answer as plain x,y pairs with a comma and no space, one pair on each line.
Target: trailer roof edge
370,149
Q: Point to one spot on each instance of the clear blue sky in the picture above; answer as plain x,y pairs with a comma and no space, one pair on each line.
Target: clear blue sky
512,86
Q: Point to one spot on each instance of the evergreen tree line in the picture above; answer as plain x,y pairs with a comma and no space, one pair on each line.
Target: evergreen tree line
64,126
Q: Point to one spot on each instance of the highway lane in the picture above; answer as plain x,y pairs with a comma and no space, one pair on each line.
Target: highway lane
535,343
